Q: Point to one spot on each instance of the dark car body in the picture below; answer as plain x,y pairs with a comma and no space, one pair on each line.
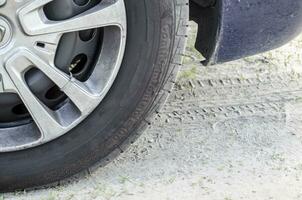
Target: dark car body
232,29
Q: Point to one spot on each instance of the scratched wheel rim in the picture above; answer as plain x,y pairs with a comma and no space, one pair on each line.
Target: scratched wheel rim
55,68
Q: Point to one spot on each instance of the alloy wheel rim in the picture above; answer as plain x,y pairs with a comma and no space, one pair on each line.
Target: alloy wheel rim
30,40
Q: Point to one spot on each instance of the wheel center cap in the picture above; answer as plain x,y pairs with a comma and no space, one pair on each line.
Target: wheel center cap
5,32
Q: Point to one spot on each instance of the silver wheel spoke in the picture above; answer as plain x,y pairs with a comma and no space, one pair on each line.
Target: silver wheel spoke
42,115
109,12
75,90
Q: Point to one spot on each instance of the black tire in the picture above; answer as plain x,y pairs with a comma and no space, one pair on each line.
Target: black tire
155,43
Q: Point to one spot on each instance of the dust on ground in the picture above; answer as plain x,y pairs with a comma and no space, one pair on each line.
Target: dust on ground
228,132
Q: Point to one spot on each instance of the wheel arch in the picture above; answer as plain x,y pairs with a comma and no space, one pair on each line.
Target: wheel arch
229,30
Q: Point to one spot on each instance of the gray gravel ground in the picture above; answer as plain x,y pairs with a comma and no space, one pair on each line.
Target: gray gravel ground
228,132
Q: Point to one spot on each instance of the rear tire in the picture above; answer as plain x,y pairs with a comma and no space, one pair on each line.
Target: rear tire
155,43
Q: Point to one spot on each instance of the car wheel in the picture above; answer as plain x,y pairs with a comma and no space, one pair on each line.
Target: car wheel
80,80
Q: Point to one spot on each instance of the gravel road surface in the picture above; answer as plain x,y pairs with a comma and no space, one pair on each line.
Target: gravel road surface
227,132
